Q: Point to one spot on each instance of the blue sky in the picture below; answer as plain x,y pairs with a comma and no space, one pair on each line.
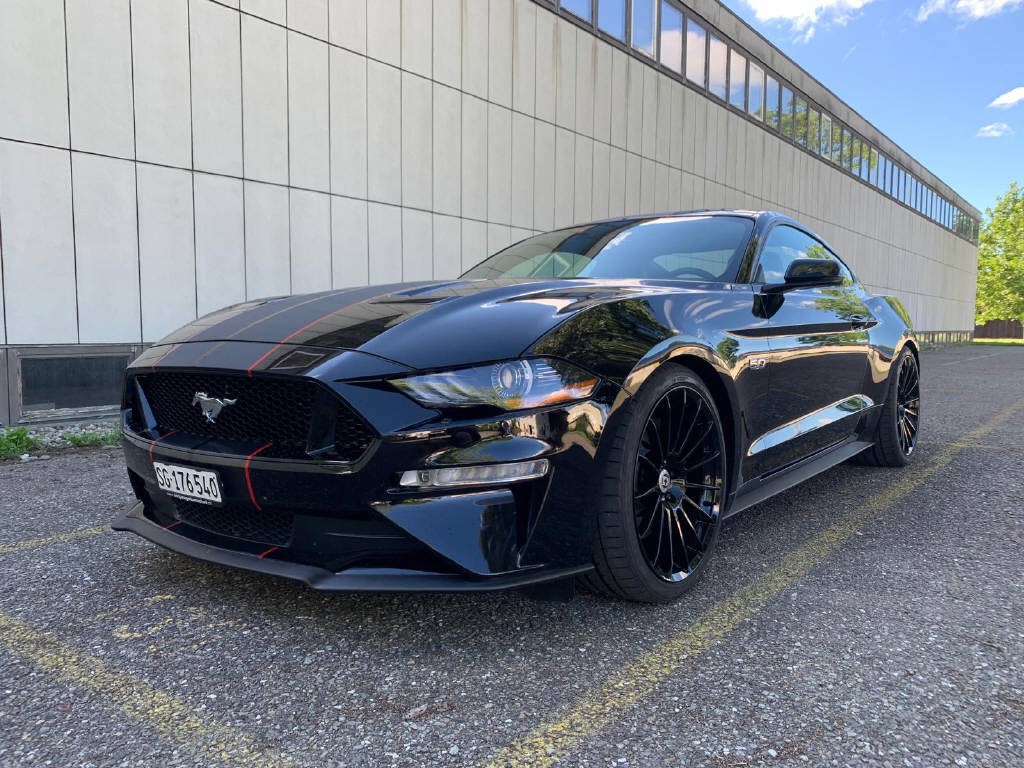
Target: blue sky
923,72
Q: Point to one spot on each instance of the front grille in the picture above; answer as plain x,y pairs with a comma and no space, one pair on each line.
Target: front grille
261,526
278,411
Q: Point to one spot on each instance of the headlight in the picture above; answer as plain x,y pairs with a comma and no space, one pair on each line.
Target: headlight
510,385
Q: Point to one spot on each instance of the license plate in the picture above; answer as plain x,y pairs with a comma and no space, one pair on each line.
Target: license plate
197,484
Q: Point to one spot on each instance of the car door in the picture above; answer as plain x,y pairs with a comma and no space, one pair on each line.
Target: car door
818,354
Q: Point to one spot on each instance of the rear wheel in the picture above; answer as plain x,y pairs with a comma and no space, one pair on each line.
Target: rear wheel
896,434
662,491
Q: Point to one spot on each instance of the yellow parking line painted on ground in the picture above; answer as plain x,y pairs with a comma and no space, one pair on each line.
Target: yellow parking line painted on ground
600,706
968,359
60,538
172,718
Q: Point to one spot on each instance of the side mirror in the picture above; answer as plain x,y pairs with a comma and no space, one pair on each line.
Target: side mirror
808,272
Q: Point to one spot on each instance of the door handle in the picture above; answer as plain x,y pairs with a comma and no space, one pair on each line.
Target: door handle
860,321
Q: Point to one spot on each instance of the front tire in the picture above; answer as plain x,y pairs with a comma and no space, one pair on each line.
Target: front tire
896,433
662,491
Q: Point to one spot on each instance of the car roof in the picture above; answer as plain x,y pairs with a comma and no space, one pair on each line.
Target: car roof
756,215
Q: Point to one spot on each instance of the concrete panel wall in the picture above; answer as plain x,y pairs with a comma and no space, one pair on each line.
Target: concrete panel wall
181,155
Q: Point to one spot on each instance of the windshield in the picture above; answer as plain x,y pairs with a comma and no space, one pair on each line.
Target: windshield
671,248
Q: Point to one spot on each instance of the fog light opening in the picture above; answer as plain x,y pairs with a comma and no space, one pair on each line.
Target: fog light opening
482,474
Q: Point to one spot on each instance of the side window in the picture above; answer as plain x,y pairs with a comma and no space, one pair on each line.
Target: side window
783,246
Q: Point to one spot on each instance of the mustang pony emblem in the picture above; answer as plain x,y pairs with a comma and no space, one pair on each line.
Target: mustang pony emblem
211,406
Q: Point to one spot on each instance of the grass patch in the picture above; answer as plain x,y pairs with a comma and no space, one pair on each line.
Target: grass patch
15,442
92,439
999,342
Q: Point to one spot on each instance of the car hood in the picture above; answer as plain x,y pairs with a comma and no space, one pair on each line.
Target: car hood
419,325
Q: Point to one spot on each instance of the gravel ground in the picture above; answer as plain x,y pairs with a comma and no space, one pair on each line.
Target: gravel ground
903,647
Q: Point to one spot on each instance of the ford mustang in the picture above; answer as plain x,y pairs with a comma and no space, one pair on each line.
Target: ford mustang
586,404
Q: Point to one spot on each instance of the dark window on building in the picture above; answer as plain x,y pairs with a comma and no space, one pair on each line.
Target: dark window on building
611,17
642,31
718,61
671,53
847,150
696,58
837,143
737,80
55,383
755,91
855,156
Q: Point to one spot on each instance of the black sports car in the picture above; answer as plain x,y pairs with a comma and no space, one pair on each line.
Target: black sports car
590,402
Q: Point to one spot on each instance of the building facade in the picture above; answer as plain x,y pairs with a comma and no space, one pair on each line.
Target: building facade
163,158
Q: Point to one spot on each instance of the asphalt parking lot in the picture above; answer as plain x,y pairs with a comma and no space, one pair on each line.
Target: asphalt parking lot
867,617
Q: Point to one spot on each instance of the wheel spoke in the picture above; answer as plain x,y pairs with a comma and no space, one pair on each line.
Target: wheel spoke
707,459
671,552
698,444
682,542
646,493
708,518
693,423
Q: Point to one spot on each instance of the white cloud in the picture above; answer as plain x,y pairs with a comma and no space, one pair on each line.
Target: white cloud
1009,99
966,9
994,130
804,16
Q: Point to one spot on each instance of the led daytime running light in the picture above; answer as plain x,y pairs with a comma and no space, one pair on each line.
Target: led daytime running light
481,474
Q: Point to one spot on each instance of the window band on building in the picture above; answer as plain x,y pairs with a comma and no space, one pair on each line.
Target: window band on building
705,59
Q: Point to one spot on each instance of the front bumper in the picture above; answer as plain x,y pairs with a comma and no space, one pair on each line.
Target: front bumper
351,580
339,526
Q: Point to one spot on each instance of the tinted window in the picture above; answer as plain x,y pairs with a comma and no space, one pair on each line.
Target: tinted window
847,150
873,163
695,53
718,60
855,156
755,91
681,248
783,246
643,25
611,17
737,79
581,8
671,37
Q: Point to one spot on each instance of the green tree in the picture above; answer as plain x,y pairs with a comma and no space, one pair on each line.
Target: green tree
1001,259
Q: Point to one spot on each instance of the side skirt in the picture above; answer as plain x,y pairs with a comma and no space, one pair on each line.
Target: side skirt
758,490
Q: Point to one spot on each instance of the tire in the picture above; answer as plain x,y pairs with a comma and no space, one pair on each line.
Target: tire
674,481
896,433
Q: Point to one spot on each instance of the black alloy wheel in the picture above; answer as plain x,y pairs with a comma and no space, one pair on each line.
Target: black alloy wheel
908,404
663,489
677,483
899,420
